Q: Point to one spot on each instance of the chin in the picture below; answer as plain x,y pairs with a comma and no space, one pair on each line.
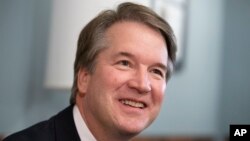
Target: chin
130,133
132,129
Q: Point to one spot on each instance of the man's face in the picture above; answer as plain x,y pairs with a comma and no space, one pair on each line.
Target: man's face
125,92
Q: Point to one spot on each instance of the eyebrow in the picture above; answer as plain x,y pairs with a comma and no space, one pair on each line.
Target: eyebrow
126,54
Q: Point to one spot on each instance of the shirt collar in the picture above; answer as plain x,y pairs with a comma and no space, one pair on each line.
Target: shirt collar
82,129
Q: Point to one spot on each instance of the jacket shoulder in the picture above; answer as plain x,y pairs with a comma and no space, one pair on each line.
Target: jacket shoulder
60,127
39,132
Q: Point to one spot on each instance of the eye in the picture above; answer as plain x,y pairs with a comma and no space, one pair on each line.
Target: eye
124,63
158,72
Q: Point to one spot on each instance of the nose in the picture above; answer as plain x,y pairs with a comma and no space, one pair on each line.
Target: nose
140,82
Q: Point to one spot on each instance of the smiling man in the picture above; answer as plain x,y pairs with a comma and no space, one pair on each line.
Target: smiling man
123,61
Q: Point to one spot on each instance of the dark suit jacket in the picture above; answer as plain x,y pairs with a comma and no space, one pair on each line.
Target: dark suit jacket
60,127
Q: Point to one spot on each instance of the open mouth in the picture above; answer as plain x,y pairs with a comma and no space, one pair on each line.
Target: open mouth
132,103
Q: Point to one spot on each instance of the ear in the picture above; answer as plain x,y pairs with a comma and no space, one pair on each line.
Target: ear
82,81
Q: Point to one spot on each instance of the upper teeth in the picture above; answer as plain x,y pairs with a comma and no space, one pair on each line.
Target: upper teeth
133,103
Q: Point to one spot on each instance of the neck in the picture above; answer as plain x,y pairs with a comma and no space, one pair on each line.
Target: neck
98,130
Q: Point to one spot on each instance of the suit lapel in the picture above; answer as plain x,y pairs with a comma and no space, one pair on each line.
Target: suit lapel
65,129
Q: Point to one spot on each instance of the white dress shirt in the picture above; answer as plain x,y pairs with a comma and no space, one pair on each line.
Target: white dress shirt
82,129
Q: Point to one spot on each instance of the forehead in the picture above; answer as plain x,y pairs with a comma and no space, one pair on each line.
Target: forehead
128,27
136,38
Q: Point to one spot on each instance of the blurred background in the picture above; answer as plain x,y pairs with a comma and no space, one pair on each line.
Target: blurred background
209,91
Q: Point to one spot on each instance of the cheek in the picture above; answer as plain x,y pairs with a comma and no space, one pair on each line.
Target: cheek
158,93
114,79
158,98
104,76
